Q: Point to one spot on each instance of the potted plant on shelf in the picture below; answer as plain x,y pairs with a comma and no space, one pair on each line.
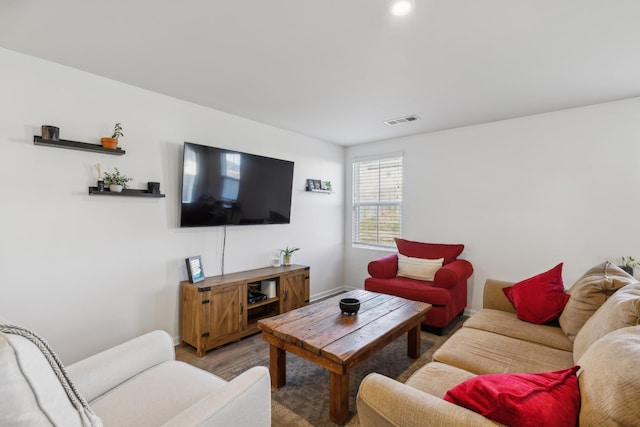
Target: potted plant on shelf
628,263
286,254
112,142
116,181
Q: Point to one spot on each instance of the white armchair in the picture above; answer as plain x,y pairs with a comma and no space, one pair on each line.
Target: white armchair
137,383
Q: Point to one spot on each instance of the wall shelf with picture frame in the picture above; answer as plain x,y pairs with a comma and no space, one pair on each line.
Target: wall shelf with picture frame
319,186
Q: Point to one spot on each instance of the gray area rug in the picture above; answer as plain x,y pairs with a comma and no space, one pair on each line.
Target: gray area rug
304,400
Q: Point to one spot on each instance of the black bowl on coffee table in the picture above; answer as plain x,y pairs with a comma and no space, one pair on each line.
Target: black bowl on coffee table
350,306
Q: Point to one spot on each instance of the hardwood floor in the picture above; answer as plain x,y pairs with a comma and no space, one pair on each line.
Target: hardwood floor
226,356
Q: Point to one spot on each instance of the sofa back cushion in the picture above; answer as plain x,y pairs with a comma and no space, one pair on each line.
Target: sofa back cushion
589,293
429,250
610,380
619,311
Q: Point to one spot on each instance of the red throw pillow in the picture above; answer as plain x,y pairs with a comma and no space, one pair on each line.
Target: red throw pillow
539,299
429,250
537,399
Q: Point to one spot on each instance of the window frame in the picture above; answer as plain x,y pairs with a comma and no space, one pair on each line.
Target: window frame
356,205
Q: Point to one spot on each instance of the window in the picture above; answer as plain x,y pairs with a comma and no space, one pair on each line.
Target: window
377,200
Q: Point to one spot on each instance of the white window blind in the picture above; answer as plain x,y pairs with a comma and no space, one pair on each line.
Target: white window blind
377,200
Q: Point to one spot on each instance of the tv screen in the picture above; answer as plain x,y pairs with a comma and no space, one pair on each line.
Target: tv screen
225,187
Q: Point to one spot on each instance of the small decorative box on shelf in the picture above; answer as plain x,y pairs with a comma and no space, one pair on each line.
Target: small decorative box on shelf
126,193
76,145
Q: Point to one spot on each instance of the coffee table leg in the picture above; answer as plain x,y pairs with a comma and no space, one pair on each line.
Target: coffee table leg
413,344
338,397
277,366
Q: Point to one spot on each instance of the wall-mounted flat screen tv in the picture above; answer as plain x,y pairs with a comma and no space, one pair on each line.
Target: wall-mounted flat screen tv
226,187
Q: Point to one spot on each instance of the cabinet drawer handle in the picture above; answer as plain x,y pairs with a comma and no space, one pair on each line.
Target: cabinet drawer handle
286,294
241,308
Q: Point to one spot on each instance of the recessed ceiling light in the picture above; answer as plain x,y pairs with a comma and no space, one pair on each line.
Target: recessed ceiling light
401,7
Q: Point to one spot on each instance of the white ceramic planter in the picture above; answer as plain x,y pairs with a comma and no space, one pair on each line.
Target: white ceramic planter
115,188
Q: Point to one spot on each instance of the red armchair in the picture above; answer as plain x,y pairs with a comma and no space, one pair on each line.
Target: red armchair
447,293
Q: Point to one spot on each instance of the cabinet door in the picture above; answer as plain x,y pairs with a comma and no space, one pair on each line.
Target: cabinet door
225,314
295,292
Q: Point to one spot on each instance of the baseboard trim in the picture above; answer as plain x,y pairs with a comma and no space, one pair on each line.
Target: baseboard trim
330,293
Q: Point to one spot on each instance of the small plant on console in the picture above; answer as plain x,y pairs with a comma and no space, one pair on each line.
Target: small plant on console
286,254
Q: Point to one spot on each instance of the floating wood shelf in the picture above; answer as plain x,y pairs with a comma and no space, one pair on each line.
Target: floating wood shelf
75,145
314,190
124,193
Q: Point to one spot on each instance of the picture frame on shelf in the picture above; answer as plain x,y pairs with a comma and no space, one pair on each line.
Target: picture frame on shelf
310,184
317,184
194,269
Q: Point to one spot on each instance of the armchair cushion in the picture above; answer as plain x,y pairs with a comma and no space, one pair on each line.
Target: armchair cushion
429,250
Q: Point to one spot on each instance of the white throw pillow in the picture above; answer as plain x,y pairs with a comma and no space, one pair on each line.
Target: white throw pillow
418,268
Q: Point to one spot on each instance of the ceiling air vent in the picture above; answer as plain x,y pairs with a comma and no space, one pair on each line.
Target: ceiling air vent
402,120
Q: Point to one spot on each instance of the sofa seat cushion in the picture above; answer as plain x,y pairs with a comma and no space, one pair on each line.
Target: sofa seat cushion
154,396
619,311
437,378
610,380
588,293
404,287
508,324
482,352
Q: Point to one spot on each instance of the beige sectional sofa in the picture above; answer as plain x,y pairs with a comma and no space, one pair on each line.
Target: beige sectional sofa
598,330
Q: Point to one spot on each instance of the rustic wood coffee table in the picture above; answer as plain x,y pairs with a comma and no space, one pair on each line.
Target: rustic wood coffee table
321,334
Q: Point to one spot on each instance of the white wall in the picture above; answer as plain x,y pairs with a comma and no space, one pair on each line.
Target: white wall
523,195
88,272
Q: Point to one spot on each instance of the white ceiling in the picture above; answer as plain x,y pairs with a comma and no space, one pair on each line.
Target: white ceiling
336,69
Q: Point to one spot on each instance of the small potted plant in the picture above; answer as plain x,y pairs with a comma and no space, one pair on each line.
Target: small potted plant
286,254
628,263
116,181
112,142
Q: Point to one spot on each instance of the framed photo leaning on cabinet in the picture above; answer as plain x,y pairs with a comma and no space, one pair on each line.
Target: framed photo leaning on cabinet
194,268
